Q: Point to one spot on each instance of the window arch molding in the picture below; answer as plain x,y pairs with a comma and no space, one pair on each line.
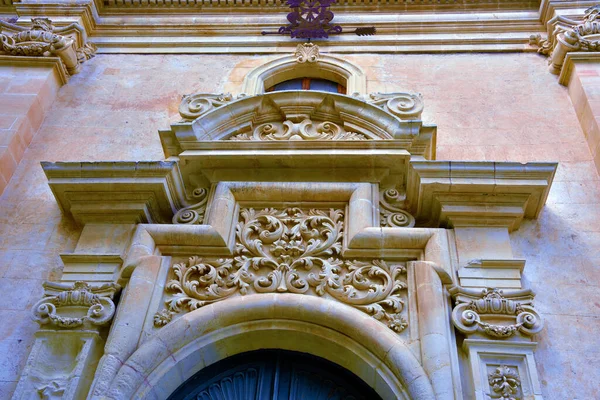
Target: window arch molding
288,67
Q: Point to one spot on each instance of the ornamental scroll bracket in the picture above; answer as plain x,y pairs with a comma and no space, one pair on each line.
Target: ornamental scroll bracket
494,314
45,40
71,306
566,35
289,251
391,209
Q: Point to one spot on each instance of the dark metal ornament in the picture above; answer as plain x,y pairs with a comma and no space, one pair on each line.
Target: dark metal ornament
310,19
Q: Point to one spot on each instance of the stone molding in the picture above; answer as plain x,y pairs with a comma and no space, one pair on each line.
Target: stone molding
289,67
43,39
493,314
53,62
76,305
197,26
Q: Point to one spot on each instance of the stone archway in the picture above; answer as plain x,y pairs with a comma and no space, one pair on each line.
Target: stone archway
307,324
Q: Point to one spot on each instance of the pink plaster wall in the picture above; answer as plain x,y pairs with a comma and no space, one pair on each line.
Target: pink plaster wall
487,107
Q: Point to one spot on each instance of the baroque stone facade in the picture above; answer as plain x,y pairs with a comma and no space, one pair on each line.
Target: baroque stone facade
432,230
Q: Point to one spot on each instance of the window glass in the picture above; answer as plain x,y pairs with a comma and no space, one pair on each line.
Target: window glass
309,84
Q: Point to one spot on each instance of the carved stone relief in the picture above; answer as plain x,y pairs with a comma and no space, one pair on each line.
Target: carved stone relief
289,250
402,105
70,306
193,214
44,40
305,130
391,212
487,312
307,52
504,383
569,36
195,105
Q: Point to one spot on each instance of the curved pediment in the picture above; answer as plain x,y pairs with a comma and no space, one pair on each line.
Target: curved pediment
297,116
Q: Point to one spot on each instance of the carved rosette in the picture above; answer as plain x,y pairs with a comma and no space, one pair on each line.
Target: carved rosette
193,214
504,384
391,213
44,40
195,105
295,251
488,312
405,106
307,52
305,130
70,306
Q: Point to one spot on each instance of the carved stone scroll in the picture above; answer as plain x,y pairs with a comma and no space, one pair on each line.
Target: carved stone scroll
195,105
305,130
289,250
44,40
70,306
391,213
193,214
402,105
488,311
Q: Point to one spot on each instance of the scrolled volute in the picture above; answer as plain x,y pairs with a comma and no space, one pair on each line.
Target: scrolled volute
305,130
487,313
193,214
70,306
195,105
391,212
406,106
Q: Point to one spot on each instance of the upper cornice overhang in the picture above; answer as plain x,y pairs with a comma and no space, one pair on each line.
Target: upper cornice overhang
228,26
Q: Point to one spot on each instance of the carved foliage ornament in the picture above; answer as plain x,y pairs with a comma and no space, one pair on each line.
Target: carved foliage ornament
70,306
504,383
43,40
307,52
290,250
484,313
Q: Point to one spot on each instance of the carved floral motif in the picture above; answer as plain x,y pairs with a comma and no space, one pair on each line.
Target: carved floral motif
51,391
307,52
504,383
290,250
193,214
390,209
482,313
305,130
94,302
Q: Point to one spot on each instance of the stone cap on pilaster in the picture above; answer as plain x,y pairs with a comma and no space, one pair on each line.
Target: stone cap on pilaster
477,194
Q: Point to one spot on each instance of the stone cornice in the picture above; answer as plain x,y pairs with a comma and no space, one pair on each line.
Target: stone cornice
470,194
144,27
54,62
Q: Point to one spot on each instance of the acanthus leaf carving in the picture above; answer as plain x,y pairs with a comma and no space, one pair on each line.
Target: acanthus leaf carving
294,251
193,214
195,105
307,53
488,311
504,383
95,303
391,212
305,130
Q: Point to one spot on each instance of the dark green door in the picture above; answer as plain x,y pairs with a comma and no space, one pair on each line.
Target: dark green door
274,375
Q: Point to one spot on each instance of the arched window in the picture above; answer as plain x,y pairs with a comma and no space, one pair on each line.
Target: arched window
322,85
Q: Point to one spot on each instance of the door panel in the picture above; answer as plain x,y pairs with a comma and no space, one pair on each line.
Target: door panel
274,375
